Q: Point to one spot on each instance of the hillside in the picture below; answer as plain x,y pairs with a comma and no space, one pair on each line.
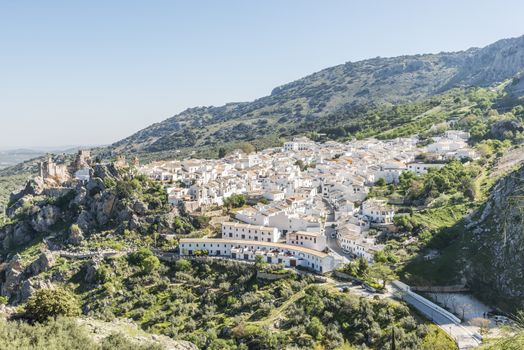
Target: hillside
348,90
109,242
496,259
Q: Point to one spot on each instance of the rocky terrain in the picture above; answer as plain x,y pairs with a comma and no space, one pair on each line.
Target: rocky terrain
340,89
496,260
52,218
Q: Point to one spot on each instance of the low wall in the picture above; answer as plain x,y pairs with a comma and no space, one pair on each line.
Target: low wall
342,275
271,276
441,289
429,304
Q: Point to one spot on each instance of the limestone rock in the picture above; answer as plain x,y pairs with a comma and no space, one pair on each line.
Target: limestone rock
46,217
140,207
13,274
43,263
85,220
95,186
104,207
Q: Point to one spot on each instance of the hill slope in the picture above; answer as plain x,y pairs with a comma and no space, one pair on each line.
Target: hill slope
496,265
346,87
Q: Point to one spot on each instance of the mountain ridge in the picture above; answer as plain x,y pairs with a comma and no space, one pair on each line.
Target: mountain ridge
379,81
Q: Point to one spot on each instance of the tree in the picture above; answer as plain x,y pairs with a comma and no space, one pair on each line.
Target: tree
221,152
183,265
150,264
235,201
247,148
316,328
362,266
382,272
145,259
381,182
51,303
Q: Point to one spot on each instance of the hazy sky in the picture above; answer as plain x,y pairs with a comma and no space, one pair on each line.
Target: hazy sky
92,72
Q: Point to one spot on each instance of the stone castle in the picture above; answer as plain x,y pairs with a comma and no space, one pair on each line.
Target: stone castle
61,172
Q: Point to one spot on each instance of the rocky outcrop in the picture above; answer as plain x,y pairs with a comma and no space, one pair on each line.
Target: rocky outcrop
46,217
13,277
33,187
43,263
17,282
496,260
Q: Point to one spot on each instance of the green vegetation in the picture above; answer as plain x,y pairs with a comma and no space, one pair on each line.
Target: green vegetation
9,184
51,303
235,201
60,334
223,304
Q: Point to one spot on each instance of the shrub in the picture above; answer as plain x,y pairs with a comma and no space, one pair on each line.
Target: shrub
51,303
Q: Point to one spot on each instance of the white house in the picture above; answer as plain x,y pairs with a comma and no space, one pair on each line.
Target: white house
273,253
420,168
298,144
311,240
378,211
237,230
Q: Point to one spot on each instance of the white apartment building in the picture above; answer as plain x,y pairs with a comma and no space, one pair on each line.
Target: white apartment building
311,240
237,230
273,253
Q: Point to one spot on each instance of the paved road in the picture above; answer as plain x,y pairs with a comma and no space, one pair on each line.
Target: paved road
332,243
464,338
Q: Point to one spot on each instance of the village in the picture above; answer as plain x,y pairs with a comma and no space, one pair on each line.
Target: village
312,208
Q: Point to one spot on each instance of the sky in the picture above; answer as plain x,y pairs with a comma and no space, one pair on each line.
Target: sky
93,72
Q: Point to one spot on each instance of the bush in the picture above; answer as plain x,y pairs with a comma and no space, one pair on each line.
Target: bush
145,259
51,303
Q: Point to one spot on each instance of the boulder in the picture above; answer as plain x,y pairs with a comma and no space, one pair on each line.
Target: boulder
28,287
45,218
140,207
21,233
134,223
85,220
104,207
33,187
95,186
13,274
91,271
43,263
24,201
80,197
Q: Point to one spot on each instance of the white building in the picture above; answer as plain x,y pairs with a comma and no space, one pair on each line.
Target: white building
273,253
378,211
420,168
298,144
237,230
311,240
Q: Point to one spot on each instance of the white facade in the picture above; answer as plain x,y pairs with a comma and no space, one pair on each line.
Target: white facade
422,168
378,211
236,230
311,240
273,253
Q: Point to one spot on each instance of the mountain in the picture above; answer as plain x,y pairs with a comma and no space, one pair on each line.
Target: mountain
344,89
496,262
